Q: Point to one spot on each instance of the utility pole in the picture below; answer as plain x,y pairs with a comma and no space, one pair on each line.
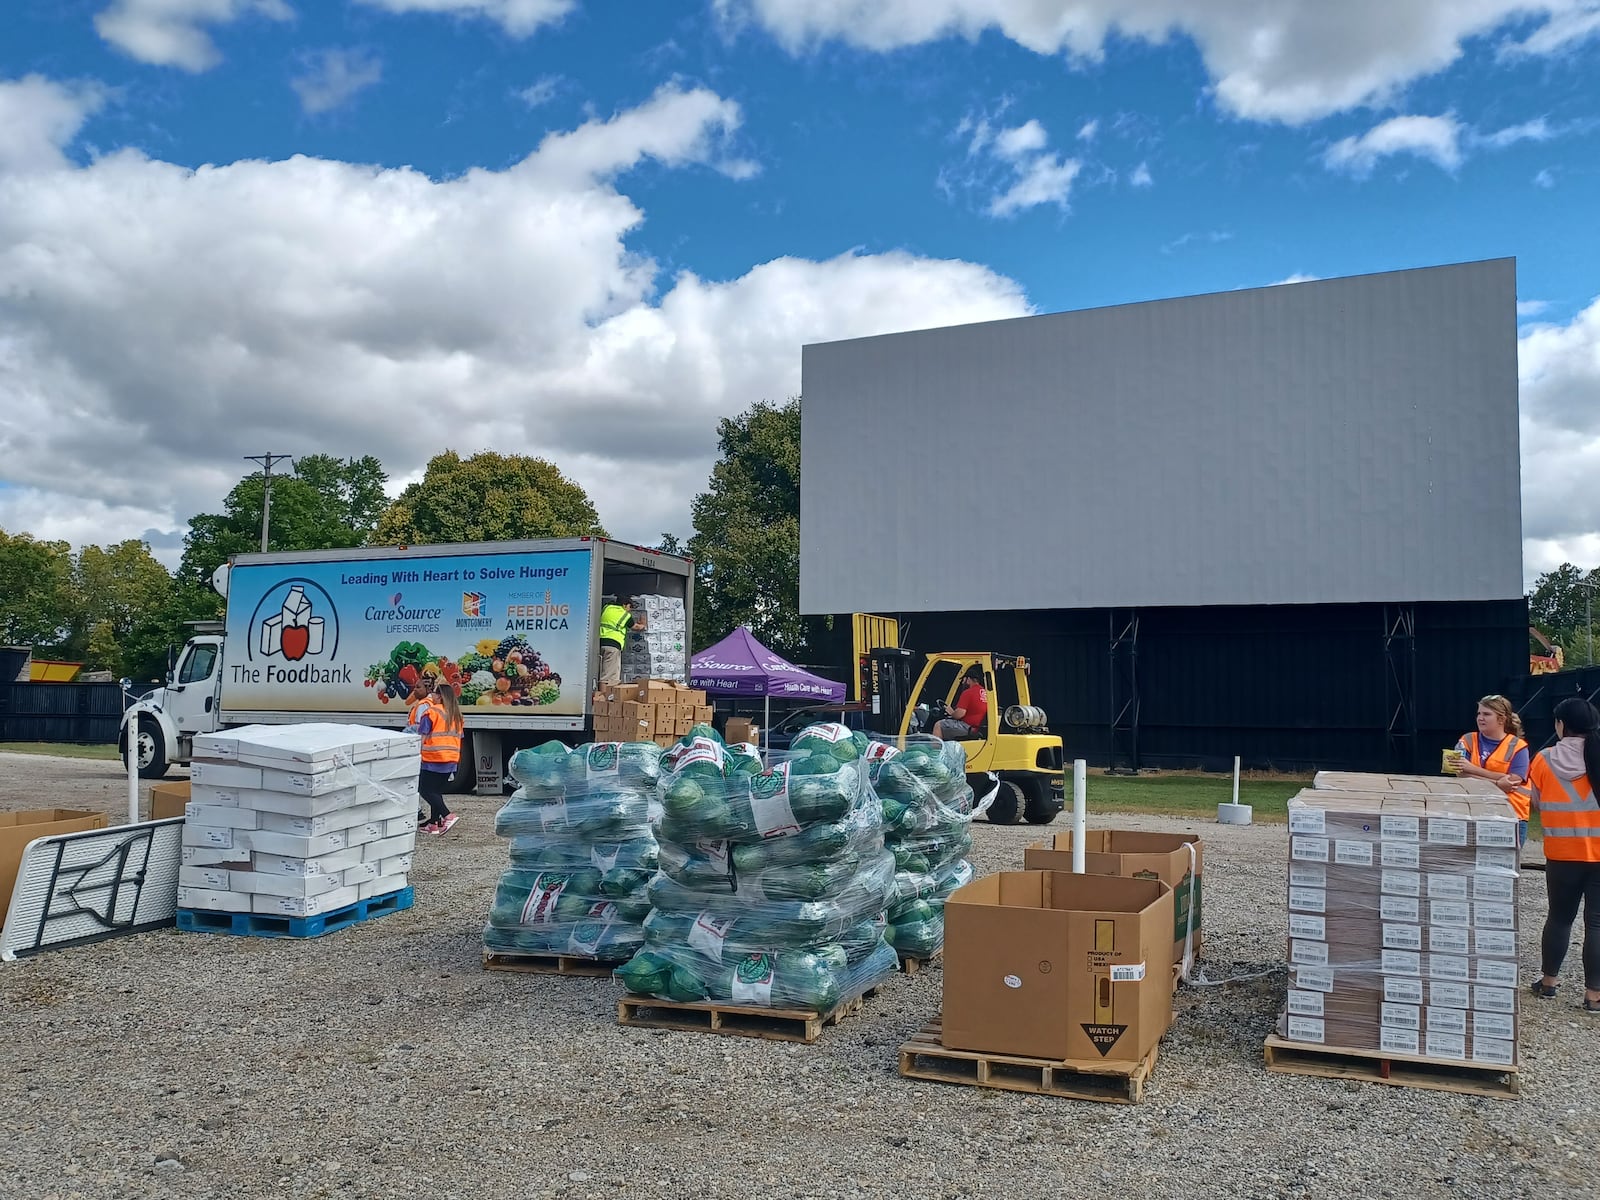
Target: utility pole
266,461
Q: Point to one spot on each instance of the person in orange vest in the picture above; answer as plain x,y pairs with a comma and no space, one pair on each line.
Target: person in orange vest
1496,752
440,724
421,696
1561,783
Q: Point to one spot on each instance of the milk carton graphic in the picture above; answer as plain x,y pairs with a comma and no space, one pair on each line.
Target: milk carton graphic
292,632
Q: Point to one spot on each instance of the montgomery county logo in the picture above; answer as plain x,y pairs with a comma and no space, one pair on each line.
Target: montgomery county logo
472,604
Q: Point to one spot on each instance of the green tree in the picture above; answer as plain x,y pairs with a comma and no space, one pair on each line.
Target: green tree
747,534
488,498
119,588
670,543
1558,607
37,596
326,503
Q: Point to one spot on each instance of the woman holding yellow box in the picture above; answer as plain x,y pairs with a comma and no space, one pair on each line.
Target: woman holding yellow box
1496,752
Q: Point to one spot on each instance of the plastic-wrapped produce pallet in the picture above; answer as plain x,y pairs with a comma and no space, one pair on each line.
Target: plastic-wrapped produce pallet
582,853
767,917
928,810
1402,942
297,830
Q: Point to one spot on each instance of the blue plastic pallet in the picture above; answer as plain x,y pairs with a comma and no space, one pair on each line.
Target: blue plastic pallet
194,920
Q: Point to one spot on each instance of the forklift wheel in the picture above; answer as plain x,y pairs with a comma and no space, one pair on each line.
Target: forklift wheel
1008,804
1042,807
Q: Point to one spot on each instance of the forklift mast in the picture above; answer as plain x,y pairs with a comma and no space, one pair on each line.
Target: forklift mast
886,681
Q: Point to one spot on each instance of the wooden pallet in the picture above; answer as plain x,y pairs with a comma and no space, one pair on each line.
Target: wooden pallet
1371,1066
734,1020
911,964
551,964
924,1057
195,920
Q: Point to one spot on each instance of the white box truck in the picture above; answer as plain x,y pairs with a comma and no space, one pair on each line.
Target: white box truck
340,635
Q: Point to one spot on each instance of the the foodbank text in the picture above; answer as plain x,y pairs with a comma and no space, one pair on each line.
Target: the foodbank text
305,673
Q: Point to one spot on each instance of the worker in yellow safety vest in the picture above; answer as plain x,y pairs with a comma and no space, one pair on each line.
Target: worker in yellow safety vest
615,622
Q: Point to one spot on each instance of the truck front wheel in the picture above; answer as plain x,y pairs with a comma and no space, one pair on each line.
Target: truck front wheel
146,743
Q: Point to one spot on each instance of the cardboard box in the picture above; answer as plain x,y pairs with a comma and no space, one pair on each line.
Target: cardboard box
682,728
740,729
1051,965
168,800
1131,855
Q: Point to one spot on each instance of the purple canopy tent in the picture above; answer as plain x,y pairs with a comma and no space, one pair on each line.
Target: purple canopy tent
739,665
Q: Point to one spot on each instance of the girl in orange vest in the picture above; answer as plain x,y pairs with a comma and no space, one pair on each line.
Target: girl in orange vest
440,724
1562,783
1496,752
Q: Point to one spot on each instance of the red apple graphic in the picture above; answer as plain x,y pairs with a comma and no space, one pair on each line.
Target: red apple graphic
296,638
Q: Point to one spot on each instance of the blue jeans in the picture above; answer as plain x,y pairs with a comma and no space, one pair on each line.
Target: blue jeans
1522,834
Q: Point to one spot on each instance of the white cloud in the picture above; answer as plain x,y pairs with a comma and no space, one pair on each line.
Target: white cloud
1559,367
1214,237
1297,277
1538,130
332,77
312,305
1020,173
1270,60
1531,308
1022,141
170,33
1047,179
1434,138
1545,178
1141,176
540,93
519,18
1088,130
39,117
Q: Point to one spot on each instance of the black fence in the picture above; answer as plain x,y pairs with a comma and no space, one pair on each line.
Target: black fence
86,713
1536,696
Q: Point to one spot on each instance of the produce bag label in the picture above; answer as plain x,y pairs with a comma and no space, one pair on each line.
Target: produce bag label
769,803
587,935
831,732
543,896
603,759
715,854
553,815
708,934
752,979
699,750
604,858
880,750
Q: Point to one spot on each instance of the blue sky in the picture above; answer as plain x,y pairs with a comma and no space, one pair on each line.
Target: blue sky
967,158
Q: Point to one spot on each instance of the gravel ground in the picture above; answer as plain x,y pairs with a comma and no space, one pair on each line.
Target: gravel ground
384,1061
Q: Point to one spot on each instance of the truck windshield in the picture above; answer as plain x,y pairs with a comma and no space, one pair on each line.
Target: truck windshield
198,665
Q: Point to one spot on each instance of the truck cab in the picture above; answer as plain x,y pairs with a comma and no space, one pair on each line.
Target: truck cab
162,726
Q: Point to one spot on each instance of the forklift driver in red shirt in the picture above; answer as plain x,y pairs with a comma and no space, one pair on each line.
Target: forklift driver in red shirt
966,719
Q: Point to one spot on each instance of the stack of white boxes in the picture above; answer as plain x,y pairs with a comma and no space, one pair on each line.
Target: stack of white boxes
298,820
657,651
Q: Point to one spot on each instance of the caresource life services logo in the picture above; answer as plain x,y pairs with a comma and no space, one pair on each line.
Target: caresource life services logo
295,620
472,604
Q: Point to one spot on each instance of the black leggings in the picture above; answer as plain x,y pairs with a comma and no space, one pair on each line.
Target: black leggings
431,786
1571,884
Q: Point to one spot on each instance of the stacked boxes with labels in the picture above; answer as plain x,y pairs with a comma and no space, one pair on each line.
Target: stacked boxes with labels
657,650
1403,926
648,710
298,820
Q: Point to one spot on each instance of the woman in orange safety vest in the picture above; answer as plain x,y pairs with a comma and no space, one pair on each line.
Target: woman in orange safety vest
1562,785
1496,752
440,724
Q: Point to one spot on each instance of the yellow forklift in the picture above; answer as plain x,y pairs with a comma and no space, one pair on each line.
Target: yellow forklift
1017,757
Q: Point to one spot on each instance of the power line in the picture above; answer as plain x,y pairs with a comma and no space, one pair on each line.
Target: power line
266,461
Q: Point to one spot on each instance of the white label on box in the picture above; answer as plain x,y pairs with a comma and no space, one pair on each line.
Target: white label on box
1500,943
206,856
1397,1041
1305,1004
359,874
1489,1050
1316,979
1127,972
398,865
1443,1044
1447,887
1402,1016
1494,1025
1447,966
1305,819
1449,939
1402,991
1308,899
1496,973
1495,832
1499,862
1402,962
1308,875
1449,995
1306,1029
1446,831
1402,937
395,826
1450,912
1447,1020
211,900
1496,916
1499,889
1402,854
1402,883
1012,981
1400,829
1400,908
1352,854
1313,953
215,836
1302,925
1308,849
213,878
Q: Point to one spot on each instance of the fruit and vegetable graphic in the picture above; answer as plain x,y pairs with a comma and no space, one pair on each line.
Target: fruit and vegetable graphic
507,672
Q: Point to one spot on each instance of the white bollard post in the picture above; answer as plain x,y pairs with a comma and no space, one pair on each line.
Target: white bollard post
133,760
1080,814
1235,813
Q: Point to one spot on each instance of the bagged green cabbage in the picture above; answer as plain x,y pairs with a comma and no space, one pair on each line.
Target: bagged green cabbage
788,923
812,980
625,867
